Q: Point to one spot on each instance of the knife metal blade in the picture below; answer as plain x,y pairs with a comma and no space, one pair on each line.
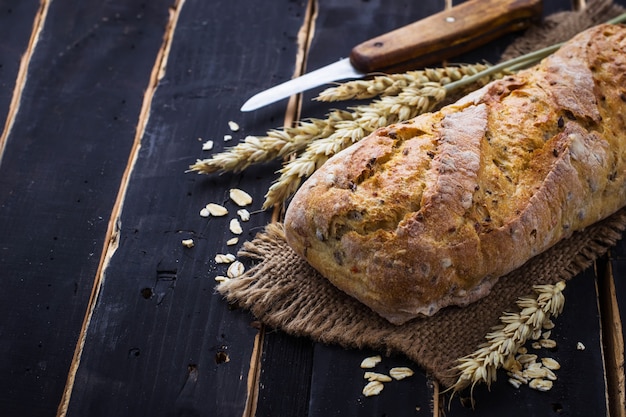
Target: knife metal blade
340,70
425,42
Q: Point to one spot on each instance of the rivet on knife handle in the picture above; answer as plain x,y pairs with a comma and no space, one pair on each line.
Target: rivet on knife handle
444,35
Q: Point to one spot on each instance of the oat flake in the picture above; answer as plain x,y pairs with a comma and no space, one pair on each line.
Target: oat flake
375,376
373,388
216,210
243,214
235,270
225,258
233,126
235,227
371,362
240,197
400,372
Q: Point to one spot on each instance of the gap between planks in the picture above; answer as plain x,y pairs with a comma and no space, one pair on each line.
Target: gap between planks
22,73
111,240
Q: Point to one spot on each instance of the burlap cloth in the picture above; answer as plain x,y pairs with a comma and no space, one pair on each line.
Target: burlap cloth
284,292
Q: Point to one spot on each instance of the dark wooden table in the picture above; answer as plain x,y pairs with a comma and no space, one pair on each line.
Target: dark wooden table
103,311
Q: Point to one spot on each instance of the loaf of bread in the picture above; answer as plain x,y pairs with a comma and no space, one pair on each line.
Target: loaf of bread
431,212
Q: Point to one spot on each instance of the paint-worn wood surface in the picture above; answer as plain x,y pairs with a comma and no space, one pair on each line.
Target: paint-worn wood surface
104,313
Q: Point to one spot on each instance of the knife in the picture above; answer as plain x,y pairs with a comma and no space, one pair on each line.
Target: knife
425,42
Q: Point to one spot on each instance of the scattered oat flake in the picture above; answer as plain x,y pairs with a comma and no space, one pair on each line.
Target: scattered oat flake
580,346
526,358
216,210
207,146
375,376
235,270
188,243
535,373
240,197
233,126
548,343
221,258
228,137
536,345
233,241
371,362
221,278
400,372
516,383
548,324
373,388
540,384
205,212
518,376
551,364
243,214
550,375
235,227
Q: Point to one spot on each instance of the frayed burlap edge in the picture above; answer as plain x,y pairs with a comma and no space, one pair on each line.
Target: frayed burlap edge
284,292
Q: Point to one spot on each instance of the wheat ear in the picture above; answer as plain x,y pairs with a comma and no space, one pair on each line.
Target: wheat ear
394,84
505,339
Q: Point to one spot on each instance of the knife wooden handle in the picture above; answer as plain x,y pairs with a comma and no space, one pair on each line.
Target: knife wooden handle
444,35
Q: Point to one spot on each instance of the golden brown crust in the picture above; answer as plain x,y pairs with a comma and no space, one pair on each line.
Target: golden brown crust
429,213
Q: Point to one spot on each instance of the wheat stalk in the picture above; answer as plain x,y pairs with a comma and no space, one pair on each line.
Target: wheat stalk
277,144
505,339
394,84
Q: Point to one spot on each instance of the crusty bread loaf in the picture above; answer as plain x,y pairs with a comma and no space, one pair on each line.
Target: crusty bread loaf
429,213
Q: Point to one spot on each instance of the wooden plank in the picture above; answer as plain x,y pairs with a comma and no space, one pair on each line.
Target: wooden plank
161,341
17,19
58,180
